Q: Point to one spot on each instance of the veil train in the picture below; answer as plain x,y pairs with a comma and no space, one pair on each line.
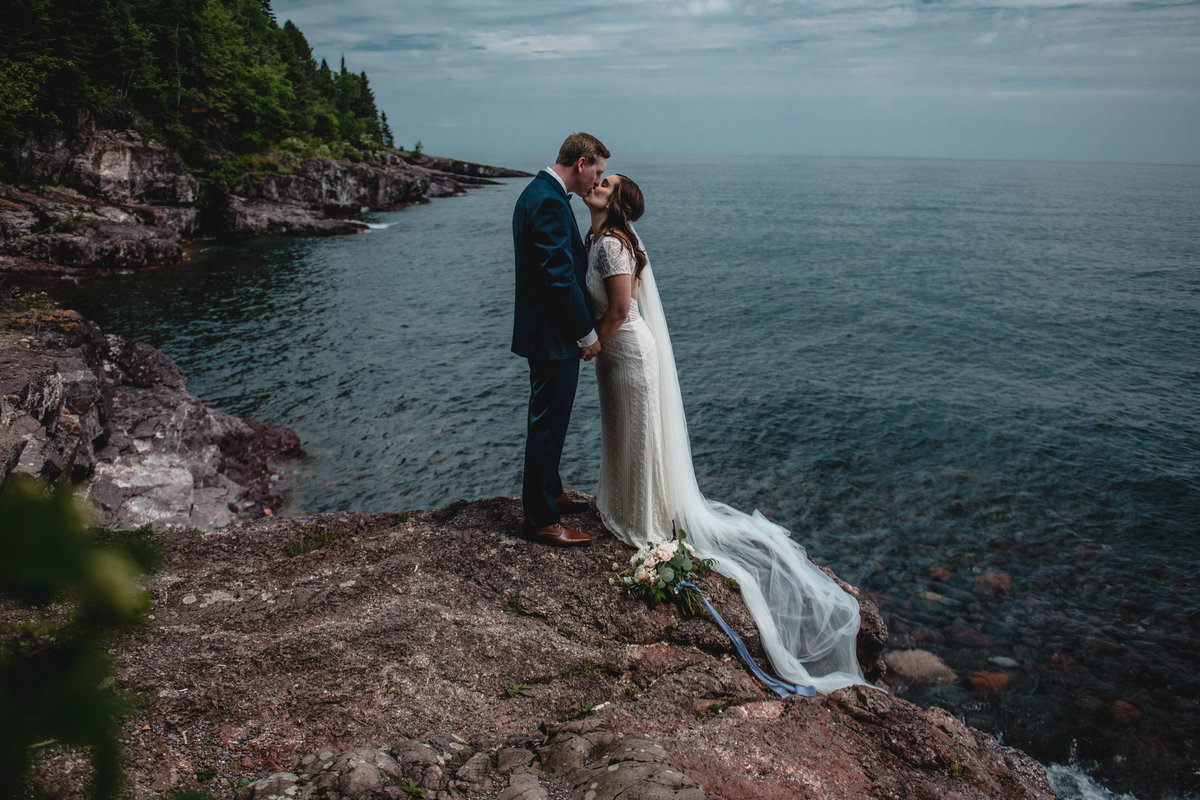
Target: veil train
808,625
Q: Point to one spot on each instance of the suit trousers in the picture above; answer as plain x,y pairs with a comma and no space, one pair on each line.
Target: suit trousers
552,387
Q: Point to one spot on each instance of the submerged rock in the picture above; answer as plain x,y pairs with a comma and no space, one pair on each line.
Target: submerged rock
920,667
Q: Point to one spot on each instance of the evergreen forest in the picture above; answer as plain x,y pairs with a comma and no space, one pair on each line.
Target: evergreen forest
219,81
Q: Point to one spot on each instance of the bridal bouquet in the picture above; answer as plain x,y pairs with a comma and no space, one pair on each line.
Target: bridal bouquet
656,569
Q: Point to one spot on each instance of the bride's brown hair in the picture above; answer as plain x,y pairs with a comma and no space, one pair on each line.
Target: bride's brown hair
625,206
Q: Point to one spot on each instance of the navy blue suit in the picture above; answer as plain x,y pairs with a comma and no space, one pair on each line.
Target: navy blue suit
551,315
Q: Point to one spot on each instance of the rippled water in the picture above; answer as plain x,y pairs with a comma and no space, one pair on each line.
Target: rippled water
980,366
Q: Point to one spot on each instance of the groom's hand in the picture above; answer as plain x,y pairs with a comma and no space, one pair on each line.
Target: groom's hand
590,352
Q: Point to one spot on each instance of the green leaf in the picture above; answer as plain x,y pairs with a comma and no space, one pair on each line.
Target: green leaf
667,574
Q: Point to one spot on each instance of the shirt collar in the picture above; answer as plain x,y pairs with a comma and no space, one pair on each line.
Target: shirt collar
554,175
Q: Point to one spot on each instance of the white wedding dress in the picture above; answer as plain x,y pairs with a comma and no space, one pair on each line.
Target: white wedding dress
808,625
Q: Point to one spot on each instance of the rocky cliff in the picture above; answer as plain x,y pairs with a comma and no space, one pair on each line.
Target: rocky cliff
350,656
115,417
97,197
436,654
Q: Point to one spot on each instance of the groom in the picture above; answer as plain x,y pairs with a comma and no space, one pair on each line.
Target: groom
552,327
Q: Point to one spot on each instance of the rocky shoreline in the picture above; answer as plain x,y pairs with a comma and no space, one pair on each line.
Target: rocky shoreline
94,199
114,417
362,656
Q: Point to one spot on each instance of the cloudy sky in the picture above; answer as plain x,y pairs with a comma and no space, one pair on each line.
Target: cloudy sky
1095,80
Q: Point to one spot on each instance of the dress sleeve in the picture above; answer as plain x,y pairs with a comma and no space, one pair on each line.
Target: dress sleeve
613,258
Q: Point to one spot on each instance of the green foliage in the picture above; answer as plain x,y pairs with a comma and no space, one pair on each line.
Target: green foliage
317,533
205,775
412,789
514,689
609,668
72,223
35,301
516,608
216,79
386,131
56,677
730,583
23,97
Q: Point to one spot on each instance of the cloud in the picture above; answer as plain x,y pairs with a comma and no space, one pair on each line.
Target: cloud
507,43
672,59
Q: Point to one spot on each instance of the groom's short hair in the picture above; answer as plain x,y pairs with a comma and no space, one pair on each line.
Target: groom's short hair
581,145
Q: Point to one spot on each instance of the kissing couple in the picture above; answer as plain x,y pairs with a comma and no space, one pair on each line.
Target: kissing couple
596,299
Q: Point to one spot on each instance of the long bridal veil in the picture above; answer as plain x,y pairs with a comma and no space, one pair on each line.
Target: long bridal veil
807,623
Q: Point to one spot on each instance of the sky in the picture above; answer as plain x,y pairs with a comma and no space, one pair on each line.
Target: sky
985,79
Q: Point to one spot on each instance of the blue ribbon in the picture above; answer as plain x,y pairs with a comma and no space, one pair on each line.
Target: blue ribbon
780,687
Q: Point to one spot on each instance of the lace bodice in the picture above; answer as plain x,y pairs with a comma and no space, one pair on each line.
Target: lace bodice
607,257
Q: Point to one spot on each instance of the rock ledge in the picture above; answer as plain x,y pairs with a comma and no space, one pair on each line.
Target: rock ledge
438,651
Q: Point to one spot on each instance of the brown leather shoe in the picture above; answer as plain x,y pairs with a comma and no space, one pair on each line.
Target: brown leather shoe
557,534
568,506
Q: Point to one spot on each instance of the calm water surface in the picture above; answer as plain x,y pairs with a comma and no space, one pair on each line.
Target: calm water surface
912,364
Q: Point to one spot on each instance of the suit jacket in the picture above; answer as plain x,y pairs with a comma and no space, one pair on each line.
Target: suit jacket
551,313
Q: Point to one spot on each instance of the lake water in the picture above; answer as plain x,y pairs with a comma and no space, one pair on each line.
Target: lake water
927,370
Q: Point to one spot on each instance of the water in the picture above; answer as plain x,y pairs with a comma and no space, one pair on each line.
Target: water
911,364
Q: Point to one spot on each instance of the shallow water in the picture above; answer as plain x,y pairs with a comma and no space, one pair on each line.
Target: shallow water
979,366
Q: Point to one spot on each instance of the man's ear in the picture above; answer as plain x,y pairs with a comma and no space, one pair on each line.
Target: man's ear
579,165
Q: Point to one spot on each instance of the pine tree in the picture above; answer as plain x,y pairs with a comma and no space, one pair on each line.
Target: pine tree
386,130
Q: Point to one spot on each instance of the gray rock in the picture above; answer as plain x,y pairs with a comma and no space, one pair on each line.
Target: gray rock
280,786
116,163
523,785
313,763
358,774
11,447
602,764
477,770
114,416
509,759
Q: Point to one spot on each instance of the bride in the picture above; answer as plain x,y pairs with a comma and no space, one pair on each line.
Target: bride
808,625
